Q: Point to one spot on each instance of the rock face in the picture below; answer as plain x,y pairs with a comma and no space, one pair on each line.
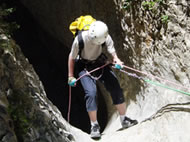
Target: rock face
160,50
25,112
166,125
153,38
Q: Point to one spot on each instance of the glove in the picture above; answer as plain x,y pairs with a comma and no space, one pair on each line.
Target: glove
118,63
72,81
118,66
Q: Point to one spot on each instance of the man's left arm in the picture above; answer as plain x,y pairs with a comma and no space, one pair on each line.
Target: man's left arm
116,60
112,51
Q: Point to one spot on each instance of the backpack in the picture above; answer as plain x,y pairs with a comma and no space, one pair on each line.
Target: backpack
82,23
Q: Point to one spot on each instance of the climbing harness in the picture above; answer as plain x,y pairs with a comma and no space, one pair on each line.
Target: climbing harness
94,77
87,73
132,75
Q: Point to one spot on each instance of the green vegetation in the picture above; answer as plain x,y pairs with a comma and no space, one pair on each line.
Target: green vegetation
5,26
164,19
19,113
155,7
148,5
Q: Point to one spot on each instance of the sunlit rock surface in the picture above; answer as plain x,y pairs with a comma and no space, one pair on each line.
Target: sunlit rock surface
144,42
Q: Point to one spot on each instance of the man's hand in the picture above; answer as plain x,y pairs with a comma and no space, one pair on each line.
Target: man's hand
72,81
118,63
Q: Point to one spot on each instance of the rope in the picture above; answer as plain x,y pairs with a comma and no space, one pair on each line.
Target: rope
133,75
155,77
69,106
155,83
167,87
87,73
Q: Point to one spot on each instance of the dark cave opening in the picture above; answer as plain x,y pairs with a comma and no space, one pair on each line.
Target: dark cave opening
49,59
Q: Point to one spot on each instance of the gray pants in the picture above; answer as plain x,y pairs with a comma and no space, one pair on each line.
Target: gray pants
110,82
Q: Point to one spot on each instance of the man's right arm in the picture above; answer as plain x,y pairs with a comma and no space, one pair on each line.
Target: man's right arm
72,56
71,79
71,62
71,65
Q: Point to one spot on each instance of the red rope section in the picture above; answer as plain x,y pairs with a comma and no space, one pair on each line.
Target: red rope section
69,106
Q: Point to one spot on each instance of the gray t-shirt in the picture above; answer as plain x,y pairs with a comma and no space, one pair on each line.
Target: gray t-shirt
90,50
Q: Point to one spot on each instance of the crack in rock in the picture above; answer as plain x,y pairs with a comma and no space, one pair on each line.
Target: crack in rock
178,107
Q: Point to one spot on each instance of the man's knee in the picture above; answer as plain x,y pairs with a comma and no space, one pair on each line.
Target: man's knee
119,100
91,103
91,100
118,97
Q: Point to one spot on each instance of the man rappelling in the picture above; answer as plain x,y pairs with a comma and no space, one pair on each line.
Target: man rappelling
86,54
